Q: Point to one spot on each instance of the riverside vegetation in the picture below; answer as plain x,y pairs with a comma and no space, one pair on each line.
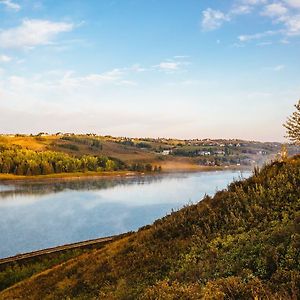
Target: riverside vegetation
243,243
18,161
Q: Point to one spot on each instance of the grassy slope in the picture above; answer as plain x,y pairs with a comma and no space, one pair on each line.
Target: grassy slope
12,273
52,142
241,244
126,153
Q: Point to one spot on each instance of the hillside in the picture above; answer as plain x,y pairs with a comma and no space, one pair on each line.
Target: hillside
170,154
243,243
78,146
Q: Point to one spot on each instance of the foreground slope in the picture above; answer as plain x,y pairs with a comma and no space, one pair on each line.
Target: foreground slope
243,243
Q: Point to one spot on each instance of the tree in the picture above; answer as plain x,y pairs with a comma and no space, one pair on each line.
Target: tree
293,125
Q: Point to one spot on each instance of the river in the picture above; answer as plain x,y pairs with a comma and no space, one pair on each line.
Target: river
39,215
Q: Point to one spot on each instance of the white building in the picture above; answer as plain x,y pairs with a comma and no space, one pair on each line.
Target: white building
166,152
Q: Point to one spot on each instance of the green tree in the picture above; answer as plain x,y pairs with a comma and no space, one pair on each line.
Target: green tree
293,125
148,168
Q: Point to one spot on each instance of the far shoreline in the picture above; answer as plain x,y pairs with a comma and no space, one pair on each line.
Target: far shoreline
11,178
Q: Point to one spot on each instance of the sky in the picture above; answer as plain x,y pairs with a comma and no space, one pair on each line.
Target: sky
150,68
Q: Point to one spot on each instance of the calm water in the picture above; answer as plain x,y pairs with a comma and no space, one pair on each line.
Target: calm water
42,215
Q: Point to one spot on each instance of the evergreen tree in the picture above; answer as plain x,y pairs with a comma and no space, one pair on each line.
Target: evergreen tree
293,125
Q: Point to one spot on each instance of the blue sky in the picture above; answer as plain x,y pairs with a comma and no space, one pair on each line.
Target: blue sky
174,68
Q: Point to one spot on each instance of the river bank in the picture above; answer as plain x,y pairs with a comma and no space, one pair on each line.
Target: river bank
166,169
11,178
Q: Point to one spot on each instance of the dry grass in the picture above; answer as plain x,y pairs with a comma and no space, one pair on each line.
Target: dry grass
75,175
174,166
32,143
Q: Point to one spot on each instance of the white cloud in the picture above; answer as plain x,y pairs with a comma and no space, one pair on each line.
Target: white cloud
290,18
254,2
284,12
243,7
274,10
58,84
293,3
256,36
278,68
137,68
255,95
292,24
169,66
5,58
284,41
241,10
109,76
10,5
181,56
263,44
291,27
32,32
213,19
69,80
238,45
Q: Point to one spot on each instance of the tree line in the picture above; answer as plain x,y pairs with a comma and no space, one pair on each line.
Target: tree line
29,162
91,142
19,161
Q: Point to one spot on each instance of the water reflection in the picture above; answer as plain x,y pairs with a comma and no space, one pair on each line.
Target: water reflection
40,215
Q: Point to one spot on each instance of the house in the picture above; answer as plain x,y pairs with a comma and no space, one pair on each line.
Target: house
166,152
204,153
220,152
262,152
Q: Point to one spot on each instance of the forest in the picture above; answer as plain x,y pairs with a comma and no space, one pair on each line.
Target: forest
20,161
242,243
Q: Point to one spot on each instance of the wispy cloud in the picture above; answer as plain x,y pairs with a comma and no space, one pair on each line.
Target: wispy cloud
293,3
256,36
289,17
181,56
241,10
5,58
292,24
169,66
278,68
213,19
286,12
274,10
137,68
263,44
10,5
254,2
113,77
32,32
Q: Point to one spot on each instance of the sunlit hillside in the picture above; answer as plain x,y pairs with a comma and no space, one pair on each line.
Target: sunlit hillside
170,154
